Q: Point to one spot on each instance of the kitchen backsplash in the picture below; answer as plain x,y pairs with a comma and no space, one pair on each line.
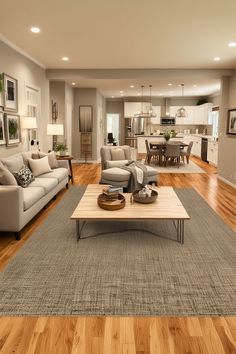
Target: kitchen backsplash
193,129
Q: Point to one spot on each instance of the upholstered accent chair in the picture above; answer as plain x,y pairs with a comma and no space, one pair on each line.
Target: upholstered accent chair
112,159
186,153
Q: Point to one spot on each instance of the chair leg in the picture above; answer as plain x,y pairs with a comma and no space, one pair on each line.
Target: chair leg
187,158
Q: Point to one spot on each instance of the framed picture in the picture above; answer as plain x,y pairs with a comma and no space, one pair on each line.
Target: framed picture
231,127
85,119
2,130
12,129
10,97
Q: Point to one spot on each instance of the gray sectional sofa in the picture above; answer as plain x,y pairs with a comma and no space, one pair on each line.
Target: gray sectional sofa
19,205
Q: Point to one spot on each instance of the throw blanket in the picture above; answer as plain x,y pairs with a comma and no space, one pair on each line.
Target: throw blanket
138,175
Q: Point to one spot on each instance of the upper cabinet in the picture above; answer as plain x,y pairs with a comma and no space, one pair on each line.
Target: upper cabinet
195,114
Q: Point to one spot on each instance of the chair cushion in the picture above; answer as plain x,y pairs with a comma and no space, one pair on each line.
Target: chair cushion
13,163
58,173
117,154
6,177
40,166
117,163
31,195
47,183
115,174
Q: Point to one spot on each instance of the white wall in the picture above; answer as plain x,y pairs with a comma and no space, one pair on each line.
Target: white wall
27,73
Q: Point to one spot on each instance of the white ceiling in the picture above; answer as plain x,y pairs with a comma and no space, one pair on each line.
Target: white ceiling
126,34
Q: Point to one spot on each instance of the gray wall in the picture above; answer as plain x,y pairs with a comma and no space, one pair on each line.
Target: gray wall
26,72
227,143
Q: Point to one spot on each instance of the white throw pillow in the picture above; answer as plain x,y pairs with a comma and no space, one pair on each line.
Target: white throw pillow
117,163
39,166
117,154
52,159
6,177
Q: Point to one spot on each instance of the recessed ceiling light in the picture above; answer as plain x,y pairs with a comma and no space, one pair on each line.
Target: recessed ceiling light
112,96
232,44
217,59
131,86
169,84
194,85
35,29
121,91
65,58
73,83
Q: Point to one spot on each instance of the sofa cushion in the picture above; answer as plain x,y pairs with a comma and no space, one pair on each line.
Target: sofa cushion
117,154
13,163
117,163
47,183
6,177
24,176
31,195
52,159
115,174
58,173
151,171
40,166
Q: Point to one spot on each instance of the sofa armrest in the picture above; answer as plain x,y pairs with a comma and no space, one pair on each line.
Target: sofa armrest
63,163
11,208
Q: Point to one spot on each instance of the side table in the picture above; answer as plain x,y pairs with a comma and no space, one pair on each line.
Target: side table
69,159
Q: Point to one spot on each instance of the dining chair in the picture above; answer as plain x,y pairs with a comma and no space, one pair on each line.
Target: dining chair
150,153
172,153
187,152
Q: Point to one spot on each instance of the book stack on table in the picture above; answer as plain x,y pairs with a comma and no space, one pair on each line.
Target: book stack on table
112,193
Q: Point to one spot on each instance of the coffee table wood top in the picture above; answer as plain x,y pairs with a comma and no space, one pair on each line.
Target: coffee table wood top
166,207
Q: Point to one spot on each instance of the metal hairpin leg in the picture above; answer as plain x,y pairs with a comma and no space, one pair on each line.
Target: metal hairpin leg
180,231
79,228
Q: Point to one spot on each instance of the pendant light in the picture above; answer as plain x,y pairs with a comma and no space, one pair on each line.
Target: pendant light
181,112
150,113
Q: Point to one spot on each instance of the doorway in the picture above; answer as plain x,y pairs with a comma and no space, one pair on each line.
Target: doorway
113,126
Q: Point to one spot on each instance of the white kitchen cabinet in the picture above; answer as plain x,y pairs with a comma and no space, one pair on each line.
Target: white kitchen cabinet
131,108
212,152
157,111
197,143
196,115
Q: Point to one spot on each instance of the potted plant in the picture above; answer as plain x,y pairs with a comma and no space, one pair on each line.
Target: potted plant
61,149
167,136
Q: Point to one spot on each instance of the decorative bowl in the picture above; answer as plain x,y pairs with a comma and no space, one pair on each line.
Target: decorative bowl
107,204
144,200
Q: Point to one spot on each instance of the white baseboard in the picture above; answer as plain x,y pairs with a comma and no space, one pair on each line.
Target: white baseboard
227,182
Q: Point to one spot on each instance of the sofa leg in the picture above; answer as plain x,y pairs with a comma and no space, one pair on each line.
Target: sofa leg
17,235
67,185
55,197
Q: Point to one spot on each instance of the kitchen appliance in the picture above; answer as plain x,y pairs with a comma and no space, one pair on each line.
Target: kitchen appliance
167,120
137,126
204,149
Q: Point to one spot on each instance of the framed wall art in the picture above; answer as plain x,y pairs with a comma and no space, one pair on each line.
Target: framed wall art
2,130
85,119
12,129
231,126
10,97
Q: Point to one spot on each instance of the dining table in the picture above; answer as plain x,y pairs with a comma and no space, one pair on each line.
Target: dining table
161,146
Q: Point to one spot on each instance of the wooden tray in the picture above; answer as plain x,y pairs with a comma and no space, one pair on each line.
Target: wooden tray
145,200
111,204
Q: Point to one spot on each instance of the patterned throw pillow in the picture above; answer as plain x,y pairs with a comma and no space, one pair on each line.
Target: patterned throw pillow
24,177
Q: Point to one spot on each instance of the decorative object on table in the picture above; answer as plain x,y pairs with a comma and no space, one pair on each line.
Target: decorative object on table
29,123
231,126
167,136
181,112
55,130
85,119
173,134
111,199
2,130
146,195
61,148
12,128
10,97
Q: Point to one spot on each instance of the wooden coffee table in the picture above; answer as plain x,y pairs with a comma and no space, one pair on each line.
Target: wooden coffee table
166,207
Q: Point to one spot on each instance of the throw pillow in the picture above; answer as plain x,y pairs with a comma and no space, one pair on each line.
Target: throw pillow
26,156
117,154
13,163
6,177
117,163
35,155
52,159
24,177
39,166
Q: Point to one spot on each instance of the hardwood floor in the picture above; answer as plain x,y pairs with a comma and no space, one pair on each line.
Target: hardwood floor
108,335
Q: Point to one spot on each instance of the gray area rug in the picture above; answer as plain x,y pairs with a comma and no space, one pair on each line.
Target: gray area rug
124,273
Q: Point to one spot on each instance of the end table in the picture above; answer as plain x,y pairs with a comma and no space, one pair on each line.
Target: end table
69,159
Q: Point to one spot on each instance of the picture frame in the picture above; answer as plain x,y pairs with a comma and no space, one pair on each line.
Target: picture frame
85,119
12,129
10,96
2,129
231,125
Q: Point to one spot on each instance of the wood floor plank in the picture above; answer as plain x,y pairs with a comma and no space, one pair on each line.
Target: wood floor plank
117,335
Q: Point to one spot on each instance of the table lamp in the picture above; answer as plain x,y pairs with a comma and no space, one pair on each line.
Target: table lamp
29,123
55,130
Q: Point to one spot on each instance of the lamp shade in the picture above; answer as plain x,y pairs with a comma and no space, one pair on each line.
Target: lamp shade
28,123
55,129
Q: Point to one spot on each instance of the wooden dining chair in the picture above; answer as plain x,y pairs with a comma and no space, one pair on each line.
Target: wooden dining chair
150,153
172,153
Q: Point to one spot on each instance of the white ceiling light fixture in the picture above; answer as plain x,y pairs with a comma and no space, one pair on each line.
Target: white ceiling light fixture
65,58
131,86
73,83
35,29
181,112
232,44
169,84
216,59
143,113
